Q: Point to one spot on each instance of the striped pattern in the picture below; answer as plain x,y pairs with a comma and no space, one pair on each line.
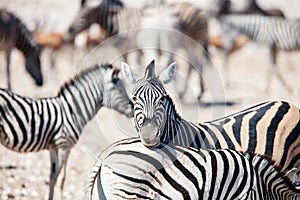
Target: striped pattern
129,170
167,27
30,125
112,16
13,33
282,33
276,33
270,128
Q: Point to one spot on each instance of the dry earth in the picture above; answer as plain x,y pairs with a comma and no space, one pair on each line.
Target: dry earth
25,176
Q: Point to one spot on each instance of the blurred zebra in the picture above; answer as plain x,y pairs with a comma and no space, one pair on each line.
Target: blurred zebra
13,33
31,125
167,26
112,16
276,33
161,25
230,36
270,128
129,170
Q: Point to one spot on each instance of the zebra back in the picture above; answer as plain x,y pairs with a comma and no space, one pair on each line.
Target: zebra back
28,125
275,31
127,169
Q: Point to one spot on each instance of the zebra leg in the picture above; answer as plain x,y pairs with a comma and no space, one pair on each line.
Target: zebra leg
58,159
198,65
183,91
273,67
64,157
8,55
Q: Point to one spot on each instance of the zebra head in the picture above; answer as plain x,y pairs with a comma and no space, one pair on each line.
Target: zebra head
33,66
115,95
148,98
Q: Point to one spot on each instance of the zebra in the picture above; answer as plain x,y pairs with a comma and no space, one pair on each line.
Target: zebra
14,33
274,32
55,124
231,36
269,128
161,24
162,21
129,170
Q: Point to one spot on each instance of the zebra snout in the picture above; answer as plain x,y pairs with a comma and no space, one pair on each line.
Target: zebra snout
39,81
149,134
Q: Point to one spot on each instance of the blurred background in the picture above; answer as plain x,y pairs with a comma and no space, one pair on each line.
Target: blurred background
237,77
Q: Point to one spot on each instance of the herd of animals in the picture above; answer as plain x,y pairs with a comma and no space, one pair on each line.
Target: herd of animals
252,154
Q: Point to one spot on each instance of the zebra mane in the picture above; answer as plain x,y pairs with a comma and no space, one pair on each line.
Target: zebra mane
271,163
171,108
24,36
83,74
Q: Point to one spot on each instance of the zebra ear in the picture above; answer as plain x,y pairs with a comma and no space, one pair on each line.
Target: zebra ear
150,70
168,74
127,73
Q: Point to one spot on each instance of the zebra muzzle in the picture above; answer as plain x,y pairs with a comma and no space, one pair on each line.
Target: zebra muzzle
149,135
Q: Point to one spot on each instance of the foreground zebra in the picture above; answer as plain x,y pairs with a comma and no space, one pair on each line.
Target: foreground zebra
276,33
129,170
270,128
31,125
13,33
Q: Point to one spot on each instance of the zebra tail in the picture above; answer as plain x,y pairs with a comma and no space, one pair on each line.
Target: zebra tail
89,185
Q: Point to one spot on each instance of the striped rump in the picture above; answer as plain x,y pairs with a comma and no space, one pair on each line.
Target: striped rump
129,170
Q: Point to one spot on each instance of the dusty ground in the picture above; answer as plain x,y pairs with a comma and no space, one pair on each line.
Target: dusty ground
25,176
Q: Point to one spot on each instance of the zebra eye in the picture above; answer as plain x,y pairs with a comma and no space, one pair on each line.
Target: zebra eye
162,99
115,77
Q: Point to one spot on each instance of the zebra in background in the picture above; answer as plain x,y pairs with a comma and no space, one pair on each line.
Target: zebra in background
231,36
270,128
162,21
129,170
13,33
55,124
276,33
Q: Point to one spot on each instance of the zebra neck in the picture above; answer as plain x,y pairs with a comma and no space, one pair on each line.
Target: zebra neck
25,42
173,120
264,166
83,97
171,110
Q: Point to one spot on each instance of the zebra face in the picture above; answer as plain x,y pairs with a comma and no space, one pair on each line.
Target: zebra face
115,95
149,113
149,97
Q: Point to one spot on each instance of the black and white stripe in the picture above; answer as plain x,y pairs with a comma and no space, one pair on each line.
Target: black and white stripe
13,33
129,170
270,128
30,125
112,16
276,33
158,30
